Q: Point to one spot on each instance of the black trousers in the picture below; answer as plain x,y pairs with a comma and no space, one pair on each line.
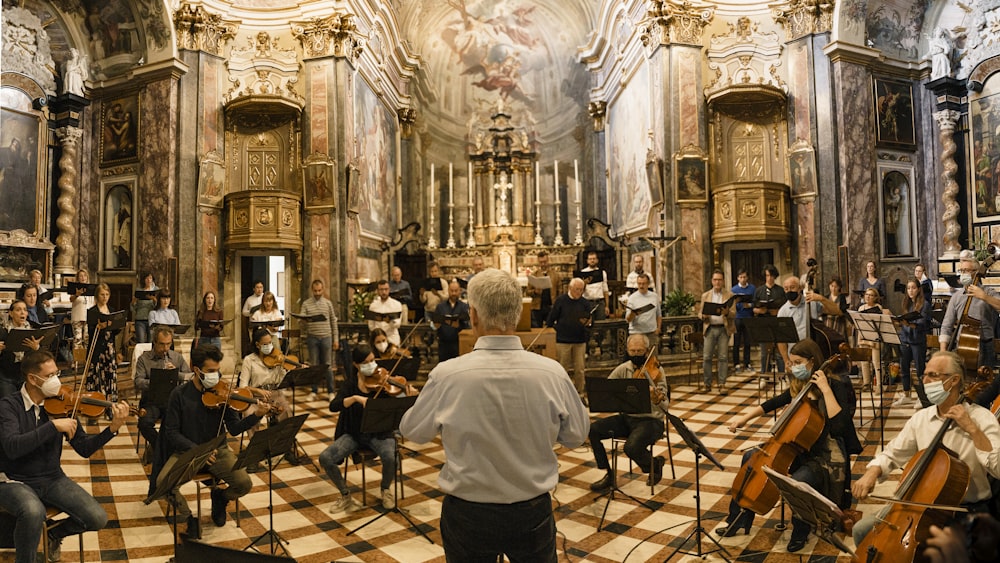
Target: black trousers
479,532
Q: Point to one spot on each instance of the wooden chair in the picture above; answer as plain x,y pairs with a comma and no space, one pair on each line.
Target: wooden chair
51,513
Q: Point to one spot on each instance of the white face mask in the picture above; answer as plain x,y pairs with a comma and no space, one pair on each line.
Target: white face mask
51,386
935,392
266,349
367,369
381,346
965,279
210,378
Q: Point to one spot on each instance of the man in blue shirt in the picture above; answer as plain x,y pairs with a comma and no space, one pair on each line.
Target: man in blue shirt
741,338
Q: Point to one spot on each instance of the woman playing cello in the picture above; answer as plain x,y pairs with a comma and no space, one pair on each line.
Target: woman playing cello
825,465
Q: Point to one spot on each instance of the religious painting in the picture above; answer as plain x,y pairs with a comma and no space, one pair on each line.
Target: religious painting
113,31
802,168
375,131
629,200
691,175
120,130
654,174
893,113
319,178
985,147
22,173
212,180
897,210
118,232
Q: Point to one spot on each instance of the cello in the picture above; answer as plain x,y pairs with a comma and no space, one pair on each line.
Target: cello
796,431
935,476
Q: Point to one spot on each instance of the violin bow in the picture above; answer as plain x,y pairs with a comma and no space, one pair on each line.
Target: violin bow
82,383
232,386
537,336
400,347
649,378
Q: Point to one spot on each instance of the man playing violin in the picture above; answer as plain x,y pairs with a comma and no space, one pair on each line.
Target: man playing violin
639,430
262,380
984,306
350,401
188,423
974,438
31,445
160,357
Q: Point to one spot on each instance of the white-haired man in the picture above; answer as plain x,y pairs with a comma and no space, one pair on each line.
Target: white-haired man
984,306
498,410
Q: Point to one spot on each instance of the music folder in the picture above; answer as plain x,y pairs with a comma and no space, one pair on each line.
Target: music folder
88,288
211,323
310,318
381,317
463,283
589,277
401,295
161,383
643,309
450,320
143,294
911,317
16,337
278,323
117,320
431,284
541,282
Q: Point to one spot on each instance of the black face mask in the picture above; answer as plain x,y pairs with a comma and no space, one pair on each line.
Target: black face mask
637,361
791,295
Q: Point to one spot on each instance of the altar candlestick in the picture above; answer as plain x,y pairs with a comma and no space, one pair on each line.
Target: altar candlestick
555,180
576,177
451,192
538,184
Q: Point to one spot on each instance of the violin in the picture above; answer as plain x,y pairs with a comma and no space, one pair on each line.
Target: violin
91,404
796,431
935,476
651,371
238,399
276,358
384,381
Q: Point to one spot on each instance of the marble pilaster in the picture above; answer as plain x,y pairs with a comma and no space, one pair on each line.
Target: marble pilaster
69,180
947,120
158,193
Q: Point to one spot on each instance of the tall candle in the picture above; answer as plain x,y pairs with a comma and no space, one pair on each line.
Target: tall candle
538,185
576,177
432,185
555,180
470,182
451,192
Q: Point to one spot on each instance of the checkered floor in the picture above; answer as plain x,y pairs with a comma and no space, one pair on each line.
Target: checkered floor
138,532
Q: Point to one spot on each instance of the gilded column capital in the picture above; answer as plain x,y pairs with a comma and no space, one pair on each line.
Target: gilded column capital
804,17
201,30
407,117
598,111
69,135
334,36
675,22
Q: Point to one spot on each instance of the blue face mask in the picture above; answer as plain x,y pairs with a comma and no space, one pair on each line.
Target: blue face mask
801,372
936,392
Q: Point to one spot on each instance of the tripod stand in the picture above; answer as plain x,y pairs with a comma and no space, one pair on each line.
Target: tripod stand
699,450
878,329
302,377
623,396
274,439
382,416
771,331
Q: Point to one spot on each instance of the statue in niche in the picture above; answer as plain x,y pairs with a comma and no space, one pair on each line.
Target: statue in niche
941,46
75,73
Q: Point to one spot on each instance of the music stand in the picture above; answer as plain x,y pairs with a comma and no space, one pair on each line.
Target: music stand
276,439
877,328
183,470
161,383
772,331
824,516
406,367
382,416
623,396
302,377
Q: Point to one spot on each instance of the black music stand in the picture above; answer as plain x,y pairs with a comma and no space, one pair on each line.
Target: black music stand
274,440
382,416
699,449
161,383
302,377
771,331
878,328
184,469
823,515
623,396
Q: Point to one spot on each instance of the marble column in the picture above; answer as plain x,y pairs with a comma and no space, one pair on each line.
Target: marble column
69,163
947,119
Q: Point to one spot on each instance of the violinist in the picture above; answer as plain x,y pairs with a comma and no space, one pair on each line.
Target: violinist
717,330
10,362
385,350
985,303
974,438
350,402
826,465
188,422
31,476
639,430
262,380
160,357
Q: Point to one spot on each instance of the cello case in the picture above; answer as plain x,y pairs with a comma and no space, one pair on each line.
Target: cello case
829,340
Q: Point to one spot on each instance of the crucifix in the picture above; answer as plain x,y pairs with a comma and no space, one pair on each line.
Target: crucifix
502,187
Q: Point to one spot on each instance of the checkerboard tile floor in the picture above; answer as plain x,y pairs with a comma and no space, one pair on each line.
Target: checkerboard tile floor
138,532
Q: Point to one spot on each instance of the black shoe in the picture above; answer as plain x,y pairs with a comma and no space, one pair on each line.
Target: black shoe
55,549
657,473
219,503
254,467
292,457
741,522
796,544
604,484
193,527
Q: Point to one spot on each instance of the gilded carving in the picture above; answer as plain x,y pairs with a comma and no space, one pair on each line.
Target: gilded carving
598,112
200,30
804,17
26,47
772,210
286,218
726,210
265,216
406,116
336,36
749,209
242,218
675,22
263,68
744,57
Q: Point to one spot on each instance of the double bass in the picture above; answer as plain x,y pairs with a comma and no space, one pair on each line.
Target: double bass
796,431
965,339
935,476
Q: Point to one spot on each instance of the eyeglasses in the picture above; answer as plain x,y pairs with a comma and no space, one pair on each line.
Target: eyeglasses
967,270
935,376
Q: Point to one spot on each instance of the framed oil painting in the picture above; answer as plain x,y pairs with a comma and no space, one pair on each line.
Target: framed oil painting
212,180
22,173
375,128
897,211
118,233
802,168
319,178
629,201
894,126
984,110
120,130
691,176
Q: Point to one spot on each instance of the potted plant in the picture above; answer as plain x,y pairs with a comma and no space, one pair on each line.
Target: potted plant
678,303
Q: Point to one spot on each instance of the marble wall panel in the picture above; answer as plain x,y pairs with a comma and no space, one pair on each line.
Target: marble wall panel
697,254
210,237
800,86
805,225
319,114
157,197
318,248
689,97
211,107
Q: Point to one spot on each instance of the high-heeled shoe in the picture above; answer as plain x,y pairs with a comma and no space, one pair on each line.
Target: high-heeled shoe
741,522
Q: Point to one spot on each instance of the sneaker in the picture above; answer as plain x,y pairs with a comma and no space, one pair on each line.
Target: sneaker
55,549
738,369
311,397
902,402
388,501
344,504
